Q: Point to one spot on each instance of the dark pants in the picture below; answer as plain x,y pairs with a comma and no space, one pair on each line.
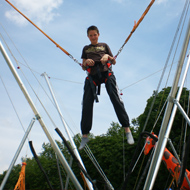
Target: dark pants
88,101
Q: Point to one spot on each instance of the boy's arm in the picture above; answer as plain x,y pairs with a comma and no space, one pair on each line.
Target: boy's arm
84,64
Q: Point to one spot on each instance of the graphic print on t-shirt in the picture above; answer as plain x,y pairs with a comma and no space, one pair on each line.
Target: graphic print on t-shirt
95,49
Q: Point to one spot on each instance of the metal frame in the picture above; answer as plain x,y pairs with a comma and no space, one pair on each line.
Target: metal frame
38,117
167,120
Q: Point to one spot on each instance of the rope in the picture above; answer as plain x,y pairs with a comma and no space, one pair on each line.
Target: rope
15,111
12,104
159,115
139,173
96,164
135,27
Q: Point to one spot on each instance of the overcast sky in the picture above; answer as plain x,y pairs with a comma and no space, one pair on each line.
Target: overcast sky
138,68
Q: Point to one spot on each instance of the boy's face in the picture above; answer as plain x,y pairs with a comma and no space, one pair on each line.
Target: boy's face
93,36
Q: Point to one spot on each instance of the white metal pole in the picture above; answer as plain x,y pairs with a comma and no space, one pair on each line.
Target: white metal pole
66,129
17,154
53,143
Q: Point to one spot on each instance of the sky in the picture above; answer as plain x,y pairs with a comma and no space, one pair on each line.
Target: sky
138,69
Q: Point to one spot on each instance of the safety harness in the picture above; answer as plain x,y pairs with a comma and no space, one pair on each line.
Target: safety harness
99,79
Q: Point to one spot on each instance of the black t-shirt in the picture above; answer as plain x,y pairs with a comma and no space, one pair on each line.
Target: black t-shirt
96,52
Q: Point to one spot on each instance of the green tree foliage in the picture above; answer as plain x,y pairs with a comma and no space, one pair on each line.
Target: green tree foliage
113,155
111,151
35,178
12,180
178,126
154,124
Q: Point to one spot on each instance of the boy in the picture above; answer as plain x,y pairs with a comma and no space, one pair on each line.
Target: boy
95,58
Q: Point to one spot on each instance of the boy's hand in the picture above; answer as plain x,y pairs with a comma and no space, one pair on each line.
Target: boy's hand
104,59
89,62
113,61
107,57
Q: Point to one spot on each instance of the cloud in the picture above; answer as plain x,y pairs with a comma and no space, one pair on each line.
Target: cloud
161,2
38,11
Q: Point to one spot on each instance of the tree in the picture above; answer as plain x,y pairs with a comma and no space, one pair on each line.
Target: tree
178,125
111,151
113,155
13,178
177,132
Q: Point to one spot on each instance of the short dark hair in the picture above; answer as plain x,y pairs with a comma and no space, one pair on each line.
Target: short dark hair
92,28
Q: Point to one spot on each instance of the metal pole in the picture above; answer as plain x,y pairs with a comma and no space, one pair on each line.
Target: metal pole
66,129
159,150
182,111
53,143
17,154
59,172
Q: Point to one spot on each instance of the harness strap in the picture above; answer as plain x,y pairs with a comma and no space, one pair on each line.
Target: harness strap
92,83
109,74
98,70
109,64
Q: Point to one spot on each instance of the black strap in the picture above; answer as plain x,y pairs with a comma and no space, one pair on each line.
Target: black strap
98,70
39,164
92,87
108,75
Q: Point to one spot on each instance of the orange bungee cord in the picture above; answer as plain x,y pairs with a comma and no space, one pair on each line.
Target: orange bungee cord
135,27
57,45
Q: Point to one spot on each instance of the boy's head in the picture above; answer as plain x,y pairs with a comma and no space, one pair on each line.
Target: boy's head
92,28
93,34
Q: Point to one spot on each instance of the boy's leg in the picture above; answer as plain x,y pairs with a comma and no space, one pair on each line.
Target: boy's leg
129,136
87,108
87,112
113,92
